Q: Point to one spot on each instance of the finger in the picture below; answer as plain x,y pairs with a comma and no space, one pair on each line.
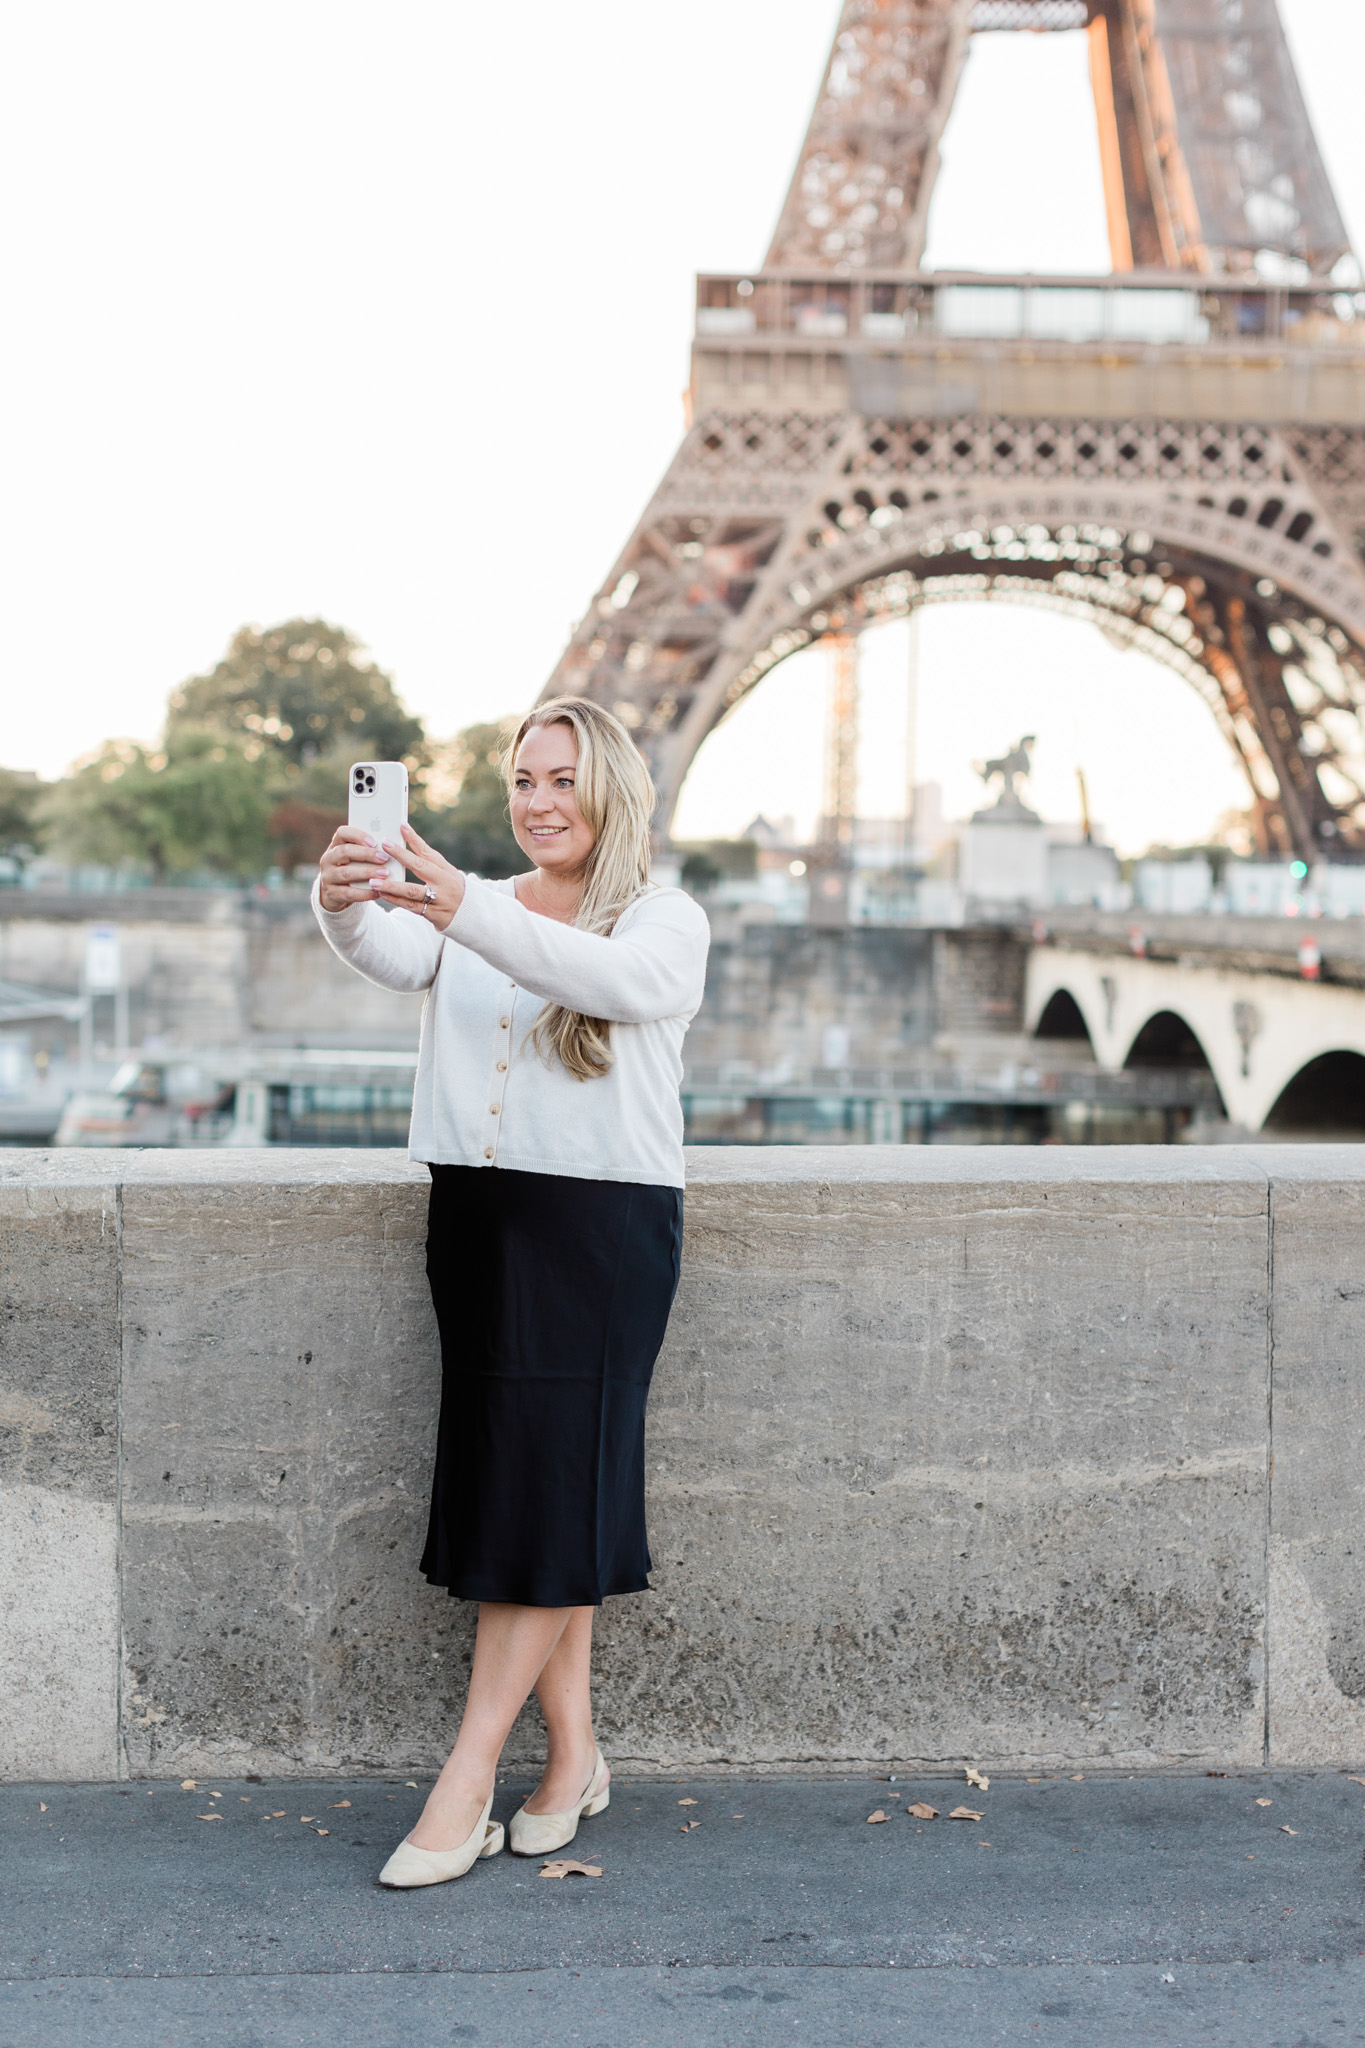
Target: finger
415,839
410,856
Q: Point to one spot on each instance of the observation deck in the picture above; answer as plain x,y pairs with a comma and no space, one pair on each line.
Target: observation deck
936,344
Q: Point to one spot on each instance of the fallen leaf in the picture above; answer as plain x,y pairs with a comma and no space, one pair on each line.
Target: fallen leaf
1265,1802
210,1816
919,1811
1033,1781
1078,1777
965,1813
276,1816
736,1816
874,1818
688,1826
324,1831
243,1799
1355,1781
560,1868
687,1802
188,1785
338,1803
975,1777
983,1845
410,1784
42,1807
1287,1831
306,1818
893,1795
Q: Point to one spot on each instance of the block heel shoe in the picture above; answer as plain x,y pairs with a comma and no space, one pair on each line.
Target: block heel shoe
410,1866
540,1834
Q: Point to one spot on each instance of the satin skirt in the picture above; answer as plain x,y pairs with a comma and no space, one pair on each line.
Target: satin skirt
552,1296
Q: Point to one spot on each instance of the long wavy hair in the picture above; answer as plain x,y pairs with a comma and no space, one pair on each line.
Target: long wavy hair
616,799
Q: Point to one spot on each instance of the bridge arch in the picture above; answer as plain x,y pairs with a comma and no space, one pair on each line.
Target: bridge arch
1063,1020
1325,1098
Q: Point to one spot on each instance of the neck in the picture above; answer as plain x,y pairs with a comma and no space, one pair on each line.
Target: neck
556,895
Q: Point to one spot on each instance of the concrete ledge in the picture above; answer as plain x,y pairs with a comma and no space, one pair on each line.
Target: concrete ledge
954,1453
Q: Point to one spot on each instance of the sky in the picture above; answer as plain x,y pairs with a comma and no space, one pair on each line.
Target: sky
378,315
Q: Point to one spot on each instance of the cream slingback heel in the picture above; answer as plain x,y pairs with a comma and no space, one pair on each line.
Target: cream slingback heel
410,1866
538,1834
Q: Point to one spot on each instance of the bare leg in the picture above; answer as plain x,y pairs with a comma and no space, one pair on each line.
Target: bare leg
563,1690
510,1652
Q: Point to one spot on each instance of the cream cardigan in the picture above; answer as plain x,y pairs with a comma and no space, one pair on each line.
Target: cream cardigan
484,1096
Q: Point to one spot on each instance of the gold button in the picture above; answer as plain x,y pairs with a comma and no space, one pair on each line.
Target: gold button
504,1021
492,1109
502,1066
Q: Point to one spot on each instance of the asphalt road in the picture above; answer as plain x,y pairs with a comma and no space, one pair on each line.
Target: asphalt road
1101,1911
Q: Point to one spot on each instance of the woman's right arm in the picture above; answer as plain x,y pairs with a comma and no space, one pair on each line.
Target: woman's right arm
393,948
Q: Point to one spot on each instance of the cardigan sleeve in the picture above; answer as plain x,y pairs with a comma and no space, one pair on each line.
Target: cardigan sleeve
393,948
652,966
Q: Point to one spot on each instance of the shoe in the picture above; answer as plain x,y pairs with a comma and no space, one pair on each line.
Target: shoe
538,1834
410,1866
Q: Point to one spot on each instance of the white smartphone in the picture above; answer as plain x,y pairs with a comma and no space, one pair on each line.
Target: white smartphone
379,804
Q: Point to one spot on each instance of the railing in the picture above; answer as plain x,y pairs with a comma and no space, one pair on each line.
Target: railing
1137,308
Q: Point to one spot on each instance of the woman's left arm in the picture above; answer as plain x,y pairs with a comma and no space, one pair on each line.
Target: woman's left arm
654,967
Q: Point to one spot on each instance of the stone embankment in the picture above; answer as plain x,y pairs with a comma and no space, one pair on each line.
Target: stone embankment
954,1453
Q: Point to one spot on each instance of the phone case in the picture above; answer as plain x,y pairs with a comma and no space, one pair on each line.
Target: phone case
379,803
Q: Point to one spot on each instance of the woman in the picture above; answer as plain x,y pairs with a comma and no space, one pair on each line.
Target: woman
546,1107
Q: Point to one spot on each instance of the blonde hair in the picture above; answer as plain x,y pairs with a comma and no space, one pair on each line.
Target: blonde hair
616,799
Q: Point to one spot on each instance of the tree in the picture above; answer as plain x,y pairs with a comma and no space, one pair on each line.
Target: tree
21,796
463,811
200,804
296,691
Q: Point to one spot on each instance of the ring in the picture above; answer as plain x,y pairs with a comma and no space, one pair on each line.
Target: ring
428,894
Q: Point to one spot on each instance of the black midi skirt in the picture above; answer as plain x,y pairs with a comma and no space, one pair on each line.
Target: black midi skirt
552,1296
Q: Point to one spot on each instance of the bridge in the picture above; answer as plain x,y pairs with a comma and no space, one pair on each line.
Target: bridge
1181,991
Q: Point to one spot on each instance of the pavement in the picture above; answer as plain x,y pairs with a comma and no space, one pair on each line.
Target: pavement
1106,1911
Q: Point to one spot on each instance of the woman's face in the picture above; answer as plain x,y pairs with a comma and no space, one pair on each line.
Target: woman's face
548,824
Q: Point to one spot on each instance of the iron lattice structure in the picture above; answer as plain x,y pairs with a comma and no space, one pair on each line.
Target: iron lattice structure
1176,452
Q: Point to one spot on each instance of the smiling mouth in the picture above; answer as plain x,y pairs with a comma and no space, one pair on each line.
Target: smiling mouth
547,831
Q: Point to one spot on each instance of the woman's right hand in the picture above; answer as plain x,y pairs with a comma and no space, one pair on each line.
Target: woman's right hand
348,867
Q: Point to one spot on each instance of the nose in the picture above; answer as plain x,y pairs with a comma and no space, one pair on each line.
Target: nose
541,799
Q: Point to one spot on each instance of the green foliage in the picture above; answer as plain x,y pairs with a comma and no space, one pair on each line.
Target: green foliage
472,827
201,804
297,691
21,798
708,861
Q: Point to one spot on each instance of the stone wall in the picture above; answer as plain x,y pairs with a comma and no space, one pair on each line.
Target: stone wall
953,1454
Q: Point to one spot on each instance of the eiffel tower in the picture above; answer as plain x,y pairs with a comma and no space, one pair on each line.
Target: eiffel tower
1174,451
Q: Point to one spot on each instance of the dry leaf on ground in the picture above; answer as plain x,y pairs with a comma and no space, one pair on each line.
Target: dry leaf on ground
1287,1831
210,1816
337,1804
965,1813
975,1777
276,1816
873,1818
322,1831
1078,1777
687,1802
307,1819
42,1806
1355,1781
919,1811
410,1784
188,1785
688,1826
562,1868
1265,1802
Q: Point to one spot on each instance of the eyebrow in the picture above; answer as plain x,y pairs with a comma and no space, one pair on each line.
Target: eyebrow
570,768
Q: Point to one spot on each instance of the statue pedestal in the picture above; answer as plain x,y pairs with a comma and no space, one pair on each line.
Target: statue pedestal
1004,855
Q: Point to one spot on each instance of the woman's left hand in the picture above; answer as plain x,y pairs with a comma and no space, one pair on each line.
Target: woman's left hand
439,889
